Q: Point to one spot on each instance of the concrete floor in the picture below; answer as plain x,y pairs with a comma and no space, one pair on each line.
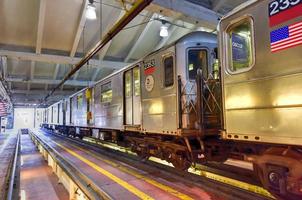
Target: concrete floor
37,179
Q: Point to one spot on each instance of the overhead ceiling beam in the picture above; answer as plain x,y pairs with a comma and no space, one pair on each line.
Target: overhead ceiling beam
4,66
205,16
32,69
55,74
75,76
60,59
96,73
41,21
141,37
80,28
113,18
53,82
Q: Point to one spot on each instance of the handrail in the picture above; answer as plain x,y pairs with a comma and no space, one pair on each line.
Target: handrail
9,195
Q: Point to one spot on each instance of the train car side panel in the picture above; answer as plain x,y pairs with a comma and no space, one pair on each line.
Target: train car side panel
262,94
159,90
108,103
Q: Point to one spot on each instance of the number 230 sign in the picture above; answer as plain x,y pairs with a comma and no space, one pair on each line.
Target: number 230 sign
280,5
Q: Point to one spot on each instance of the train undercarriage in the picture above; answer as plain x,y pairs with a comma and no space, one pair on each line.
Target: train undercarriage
279,168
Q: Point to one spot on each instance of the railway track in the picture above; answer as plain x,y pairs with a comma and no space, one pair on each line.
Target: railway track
229,184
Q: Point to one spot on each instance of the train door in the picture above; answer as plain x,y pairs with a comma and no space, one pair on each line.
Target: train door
197,61
132,96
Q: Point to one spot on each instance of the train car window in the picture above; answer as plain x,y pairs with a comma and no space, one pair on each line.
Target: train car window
136,77
241,46
128,84
106,93
197,59
79,101
169,72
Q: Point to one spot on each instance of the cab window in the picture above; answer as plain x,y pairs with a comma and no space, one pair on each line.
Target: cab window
240,39
106,93
168,69
197,59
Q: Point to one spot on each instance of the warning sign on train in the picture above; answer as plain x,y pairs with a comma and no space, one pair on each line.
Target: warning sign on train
149,83
149,67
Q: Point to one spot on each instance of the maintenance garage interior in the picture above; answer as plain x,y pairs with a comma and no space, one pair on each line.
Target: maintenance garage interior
151,99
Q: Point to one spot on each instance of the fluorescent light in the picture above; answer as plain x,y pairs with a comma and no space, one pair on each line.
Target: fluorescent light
164,31
90,12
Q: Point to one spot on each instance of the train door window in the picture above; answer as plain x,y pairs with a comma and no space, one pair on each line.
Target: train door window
168,71
240,46
79,101
70,110
197,59
128,84
58,116
106,93
136,80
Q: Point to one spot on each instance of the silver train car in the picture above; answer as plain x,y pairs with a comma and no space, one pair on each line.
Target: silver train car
180,104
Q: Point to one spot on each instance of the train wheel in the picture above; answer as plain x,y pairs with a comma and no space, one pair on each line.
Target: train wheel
280,172
179,160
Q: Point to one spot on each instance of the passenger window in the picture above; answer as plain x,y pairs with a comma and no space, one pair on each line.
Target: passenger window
106,93
169,72
79,101
241,46
136,77
197,59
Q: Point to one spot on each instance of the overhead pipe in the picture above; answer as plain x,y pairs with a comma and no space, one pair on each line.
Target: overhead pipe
132,13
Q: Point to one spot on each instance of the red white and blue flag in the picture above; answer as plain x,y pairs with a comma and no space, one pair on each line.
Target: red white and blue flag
286,37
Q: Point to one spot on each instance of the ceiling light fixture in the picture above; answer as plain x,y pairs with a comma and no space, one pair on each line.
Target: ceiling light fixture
163,30
90,11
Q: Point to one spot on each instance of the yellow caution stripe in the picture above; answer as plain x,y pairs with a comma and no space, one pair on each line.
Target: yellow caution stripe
233,182
116,179
137,175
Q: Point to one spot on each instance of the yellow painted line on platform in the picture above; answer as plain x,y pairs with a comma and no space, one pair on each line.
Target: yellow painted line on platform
116,179
200,172
137,175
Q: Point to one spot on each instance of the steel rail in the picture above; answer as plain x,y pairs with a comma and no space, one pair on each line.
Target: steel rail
85,184
229,190
131,14
10,190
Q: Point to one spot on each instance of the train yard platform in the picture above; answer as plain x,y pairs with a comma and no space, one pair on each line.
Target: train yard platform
111,178
8,142
36,178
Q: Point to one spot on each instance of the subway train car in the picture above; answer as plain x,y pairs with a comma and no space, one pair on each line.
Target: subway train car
151,104
179,105
260,57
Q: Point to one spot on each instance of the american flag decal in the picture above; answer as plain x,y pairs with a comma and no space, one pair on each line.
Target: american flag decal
286,37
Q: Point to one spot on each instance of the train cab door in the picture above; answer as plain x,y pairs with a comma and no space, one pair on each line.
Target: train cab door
197,60
132,97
